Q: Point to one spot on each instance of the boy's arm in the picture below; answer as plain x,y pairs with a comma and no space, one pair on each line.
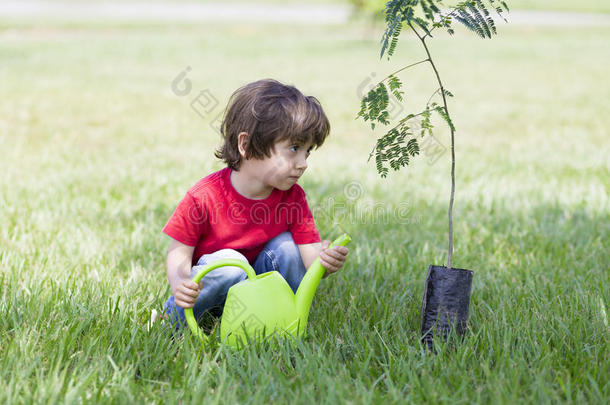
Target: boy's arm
332,259
179,259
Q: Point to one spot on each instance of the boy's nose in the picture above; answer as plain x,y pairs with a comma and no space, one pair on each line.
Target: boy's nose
302,164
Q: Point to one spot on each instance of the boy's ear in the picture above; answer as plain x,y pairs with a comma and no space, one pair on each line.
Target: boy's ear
242,141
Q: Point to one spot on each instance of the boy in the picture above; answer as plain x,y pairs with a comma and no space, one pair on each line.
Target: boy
252,210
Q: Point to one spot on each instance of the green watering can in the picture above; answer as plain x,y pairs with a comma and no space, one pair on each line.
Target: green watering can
263,304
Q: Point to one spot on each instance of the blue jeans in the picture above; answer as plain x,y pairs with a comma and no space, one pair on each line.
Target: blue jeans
279,254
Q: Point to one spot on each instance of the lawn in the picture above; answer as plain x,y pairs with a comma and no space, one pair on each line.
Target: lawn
96,150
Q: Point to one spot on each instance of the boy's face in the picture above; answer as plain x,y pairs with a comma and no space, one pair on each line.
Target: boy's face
284,167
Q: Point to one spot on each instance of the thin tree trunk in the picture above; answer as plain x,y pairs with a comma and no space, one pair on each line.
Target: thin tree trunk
451,198
450,255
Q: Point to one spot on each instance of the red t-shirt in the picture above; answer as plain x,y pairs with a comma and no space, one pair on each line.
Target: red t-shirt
213,216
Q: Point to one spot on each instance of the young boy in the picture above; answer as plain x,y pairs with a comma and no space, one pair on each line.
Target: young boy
252,210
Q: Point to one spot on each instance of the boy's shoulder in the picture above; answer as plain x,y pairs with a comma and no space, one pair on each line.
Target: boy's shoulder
211,183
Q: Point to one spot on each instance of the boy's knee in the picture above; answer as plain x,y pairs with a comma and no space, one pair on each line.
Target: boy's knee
288,252
219,255
284,245
232,275
230,254
286,255
226,275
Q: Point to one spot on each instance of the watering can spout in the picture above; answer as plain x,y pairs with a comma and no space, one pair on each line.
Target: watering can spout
309,284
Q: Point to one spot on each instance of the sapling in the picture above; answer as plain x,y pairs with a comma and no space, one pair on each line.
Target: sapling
394,149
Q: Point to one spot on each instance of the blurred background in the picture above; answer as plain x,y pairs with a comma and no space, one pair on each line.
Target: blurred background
102,98
109,112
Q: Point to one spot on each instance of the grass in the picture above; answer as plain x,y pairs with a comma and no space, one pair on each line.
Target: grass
96,151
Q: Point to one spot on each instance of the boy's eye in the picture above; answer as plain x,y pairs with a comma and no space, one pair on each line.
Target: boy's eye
295,148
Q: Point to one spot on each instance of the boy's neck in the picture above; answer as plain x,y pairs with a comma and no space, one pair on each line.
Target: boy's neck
249,186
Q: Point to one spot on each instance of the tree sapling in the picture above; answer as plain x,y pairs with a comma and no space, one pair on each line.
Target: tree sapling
446,298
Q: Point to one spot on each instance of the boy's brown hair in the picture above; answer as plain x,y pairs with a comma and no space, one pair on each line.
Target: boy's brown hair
270,112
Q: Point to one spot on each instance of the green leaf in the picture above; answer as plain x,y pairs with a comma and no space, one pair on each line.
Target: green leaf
394,149
397,146
480,21
395,85
422,24
441,111
469,22
396,13
374,106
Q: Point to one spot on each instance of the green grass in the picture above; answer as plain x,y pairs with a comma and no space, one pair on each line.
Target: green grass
96,151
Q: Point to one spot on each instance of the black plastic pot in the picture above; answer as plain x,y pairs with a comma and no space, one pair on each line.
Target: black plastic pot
446,302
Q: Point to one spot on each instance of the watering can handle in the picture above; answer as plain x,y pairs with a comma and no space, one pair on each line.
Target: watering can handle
188,312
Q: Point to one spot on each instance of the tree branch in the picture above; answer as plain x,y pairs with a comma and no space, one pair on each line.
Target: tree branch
440,14
435,91
398,71
406,67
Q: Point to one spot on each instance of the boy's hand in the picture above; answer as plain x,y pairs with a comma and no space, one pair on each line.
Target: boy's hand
332,259
186,293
